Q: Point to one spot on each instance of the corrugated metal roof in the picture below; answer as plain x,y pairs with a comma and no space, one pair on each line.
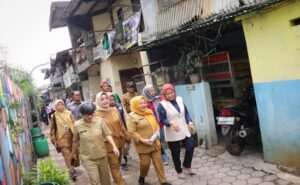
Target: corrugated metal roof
175,34
81,7
56,11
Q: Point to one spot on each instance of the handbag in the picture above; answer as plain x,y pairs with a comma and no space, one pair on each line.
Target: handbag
58,150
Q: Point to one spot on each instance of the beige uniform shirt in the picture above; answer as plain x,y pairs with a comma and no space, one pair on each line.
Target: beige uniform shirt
91,138
113,122
126,100
139,127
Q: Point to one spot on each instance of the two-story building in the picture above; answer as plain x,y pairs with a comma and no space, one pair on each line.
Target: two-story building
102,33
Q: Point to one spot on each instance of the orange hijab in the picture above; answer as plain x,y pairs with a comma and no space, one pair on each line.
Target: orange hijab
135,107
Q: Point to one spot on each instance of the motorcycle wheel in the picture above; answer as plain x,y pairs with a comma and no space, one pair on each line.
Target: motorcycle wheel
234,143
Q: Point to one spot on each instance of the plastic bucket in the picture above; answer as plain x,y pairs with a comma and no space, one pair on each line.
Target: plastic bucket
36,131
41,147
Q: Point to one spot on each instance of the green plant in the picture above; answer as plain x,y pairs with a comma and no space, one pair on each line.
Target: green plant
190,61
47,171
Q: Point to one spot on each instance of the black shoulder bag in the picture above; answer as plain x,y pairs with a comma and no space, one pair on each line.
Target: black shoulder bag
55,131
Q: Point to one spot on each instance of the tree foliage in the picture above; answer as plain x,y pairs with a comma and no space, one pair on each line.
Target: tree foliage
22,79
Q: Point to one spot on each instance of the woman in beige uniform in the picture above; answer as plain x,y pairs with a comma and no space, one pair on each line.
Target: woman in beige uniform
90,133
142,125
113,121
61,134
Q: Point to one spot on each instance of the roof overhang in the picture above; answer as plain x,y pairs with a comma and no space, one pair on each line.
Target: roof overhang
84,7
56,10
188,30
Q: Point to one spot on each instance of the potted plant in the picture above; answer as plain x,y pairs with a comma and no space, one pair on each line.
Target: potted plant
190,63
47,173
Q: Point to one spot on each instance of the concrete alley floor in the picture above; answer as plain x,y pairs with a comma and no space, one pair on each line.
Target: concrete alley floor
209,171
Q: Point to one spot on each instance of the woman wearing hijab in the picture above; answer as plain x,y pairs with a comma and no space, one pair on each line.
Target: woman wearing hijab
178,128
61,134
142,125
152,103
113,121
115,102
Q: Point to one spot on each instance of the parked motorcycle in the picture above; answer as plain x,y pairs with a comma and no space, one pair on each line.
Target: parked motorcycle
240,124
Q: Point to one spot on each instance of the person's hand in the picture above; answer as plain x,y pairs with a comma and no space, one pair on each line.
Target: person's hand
126,144
158,133
175,127
116,152
192,128
145,142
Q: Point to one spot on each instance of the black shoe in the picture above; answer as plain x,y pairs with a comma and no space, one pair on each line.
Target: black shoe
73,175
166,183
125,158
141,180
124,166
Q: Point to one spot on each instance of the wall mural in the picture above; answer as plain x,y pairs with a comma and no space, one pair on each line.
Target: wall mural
15,138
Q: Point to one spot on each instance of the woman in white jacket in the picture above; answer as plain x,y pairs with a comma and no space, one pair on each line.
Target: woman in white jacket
178,128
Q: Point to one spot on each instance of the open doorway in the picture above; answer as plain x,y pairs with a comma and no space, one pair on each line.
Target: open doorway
229,75
131,75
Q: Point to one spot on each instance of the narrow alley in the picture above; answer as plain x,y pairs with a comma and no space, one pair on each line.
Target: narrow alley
209,171
186,92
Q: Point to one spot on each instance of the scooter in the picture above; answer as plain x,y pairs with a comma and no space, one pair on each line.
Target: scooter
240,124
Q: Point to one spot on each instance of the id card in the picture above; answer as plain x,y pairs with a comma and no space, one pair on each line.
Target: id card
66,128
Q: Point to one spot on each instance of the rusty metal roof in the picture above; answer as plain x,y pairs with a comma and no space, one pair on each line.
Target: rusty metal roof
187,30
84,7
56,10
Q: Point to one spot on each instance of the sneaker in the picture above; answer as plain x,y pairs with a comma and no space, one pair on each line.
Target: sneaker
166,183
181,175
166,163
188,171
124,166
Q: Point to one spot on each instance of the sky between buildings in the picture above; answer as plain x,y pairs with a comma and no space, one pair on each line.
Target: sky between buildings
24,30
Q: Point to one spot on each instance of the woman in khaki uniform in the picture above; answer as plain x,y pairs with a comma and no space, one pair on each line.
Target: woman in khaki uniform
61,134
90,132
142,125
113,121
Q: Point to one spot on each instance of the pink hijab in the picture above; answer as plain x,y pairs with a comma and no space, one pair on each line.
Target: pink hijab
165,87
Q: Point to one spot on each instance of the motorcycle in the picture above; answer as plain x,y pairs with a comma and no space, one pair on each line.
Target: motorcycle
240,124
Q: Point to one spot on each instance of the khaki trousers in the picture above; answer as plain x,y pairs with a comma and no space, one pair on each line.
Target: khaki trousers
98,171
66,152
114,164
145,161
65,145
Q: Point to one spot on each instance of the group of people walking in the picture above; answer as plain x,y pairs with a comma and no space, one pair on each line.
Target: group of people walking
99,133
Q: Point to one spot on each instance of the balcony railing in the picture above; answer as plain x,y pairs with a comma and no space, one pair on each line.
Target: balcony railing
185,12
178,14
